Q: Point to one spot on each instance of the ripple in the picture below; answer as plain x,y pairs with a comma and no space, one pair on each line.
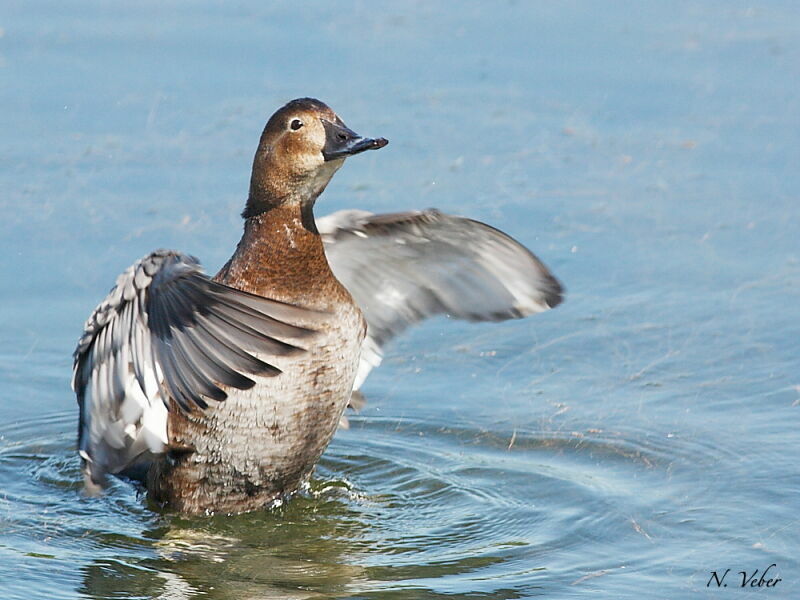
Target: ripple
455,492
421,502
508,499
43,509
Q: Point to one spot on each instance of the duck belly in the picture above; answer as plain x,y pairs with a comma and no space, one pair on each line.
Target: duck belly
262,444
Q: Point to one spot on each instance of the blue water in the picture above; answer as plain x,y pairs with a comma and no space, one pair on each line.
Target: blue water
624,445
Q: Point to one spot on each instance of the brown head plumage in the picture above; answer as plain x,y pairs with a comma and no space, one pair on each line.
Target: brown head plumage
303,144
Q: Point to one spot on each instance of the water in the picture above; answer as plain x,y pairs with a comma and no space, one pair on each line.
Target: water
625,445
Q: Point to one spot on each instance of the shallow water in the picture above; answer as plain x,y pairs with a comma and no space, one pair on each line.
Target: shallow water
626,445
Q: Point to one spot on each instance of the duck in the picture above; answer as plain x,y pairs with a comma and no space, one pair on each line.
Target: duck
222,393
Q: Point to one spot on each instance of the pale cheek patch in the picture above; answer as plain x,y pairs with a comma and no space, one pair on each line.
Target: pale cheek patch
307,155
314,185
307,162
316,136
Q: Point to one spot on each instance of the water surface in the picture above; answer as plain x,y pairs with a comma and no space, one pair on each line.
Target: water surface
626,445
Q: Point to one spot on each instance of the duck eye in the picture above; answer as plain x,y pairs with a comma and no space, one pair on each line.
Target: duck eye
296,124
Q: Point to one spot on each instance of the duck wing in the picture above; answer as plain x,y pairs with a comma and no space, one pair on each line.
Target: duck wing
405,267
166,330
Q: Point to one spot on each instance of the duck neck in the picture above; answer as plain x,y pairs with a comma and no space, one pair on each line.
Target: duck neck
272,188
280,256
259,213
259,204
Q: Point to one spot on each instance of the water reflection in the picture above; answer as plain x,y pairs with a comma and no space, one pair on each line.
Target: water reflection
300,546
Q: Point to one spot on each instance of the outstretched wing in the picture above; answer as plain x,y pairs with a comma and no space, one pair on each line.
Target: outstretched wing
168,331
402,268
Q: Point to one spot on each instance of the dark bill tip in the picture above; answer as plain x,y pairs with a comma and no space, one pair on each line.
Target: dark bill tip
368,144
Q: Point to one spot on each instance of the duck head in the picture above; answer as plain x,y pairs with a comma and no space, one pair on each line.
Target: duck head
303,144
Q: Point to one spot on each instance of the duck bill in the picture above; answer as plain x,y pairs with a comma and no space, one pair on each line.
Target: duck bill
341,141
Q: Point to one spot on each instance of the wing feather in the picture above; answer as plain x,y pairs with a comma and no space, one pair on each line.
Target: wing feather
405,267
168,331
